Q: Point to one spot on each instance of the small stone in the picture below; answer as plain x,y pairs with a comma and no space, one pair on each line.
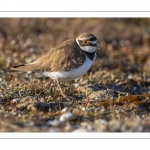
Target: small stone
65,110
130,76
76,85
54,122
65,116
16,100
101,121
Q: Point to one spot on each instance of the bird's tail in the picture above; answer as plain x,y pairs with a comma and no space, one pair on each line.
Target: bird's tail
26,67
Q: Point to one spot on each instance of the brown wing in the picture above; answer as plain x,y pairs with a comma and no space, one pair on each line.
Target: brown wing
63,57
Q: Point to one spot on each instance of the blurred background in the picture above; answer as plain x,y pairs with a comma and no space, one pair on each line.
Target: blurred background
22,40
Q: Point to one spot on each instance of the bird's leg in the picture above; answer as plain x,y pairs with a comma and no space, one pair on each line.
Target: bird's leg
63,94
61,91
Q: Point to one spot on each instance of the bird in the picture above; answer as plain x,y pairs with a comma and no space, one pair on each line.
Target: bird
66,61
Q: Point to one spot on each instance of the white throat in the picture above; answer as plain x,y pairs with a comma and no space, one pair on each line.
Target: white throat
89,49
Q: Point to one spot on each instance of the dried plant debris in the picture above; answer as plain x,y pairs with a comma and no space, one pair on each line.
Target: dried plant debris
113,96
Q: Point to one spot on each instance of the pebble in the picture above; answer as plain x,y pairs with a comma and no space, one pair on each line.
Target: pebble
65,116
65,110
130,76
101,121
76,85
54,122
16,100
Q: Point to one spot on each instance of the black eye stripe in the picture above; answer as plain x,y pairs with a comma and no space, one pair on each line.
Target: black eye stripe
93,40
83,44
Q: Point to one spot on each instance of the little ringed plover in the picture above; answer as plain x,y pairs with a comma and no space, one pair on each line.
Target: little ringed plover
66,61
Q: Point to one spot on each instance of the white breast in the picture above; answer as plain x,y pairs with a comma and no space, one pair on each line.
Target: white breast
72,74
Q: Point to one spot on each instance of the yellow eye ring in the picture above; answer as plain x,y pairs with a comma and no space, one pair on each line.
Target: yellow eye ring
85,42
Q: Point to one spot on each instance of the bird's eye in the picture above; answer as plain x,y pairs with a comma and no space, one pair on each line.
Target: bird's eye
85,42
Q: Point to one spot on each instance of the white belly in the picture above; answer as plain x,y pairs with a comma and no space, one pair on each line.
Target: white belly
72,74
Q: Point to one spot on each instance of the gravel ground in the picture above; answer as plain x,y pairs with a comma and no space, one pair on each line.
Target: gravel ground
113,96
